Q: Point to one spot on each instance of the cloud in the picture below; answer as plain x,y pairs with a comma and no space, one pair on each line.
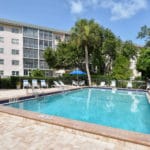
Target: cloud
124,8
76,6
119,9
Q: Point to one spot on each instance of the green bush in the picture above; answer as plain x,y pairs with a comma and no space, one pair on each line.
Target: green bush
5,83
11,82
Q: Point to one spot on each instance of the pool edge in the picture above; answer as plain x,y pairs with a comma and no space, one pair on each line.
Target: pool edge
129,136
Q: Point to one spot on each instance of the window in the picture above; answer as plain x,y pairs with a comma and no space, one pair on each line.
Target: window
15,30
15,52
15,62
43,65
1,61
1,72
30,53
58,37
15,41
29,32
45,35
15,73
1,50
45,44
1,28
1,39
30,63
30,43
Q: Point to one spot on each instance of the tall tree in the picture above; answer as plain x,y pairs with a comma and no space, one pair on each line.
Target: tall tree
109,49
85,34
145,34
121,68
129,50
37,73
143,63
50,57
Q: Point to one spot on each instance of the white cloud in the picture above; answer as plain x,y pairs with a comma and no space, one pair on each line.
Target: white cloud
124,8
119,9
76,6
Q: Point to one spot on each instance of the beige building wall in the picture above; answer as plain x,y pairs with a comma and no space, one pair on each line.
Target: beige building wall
7,55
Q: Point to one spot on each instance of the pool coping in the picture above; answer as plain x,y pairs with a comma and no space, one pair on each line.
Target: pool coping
115,133
128,136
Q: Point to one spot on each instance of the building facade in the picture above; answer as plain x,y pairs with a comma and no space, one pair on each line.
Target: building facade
22,47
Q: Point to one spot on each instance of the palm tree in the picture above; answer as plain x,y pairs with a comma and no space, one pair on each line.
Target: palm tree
85,34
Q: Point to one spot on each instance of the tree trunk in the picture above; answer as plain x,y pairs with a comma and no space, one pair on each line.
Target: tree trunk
87,65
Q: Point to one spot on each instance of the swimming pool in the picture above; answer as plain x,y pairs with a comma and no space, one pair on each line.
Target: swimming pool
128,110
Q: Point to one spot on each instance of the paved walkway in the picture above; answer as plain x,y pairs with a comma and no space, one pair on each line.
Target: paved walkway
20,133
16,93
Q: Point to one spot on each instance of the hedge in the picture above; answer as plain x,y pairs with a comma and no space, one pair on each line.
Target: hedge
13,81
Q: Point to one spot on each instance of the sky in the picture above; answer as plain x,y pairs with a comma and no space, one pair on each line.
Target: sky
123,17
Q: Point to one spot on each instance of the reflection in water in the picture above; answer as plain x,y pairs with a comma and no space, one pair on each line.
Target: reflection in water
88,99
86,116
21,105
135,103
109,104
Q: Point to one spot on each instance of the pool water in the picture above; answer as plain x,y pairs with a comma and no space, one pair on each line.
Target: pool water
127,110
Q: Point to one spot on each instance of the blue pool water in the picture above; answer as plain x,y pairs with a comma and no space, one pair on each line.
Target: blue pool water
118,109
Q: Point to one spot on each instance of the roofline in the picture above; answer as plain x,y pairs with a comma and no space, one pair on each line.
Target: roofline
21,24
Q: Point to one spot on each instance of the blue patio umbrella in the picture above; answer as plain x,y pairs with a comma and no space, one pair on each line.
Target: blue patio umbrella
77,72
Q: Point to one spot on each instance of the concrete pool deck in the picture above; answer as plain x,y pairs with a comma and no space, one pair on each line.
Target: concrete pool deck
17,93
22,133
26,132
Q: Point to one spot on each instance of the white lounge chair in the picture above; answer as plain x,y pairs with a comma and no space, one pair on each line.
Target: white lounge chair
148,86
26,84
74,83
62,83
56,84
82,83
102,84
113,83
129,84
44,84
35,83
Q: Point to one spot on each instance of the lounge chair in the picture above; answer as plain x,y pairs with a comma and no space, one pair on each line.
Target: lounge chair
129,84
44,84
74,83
35,83
56,84
148,86
82,83
62,83
26,84
113,83
102,84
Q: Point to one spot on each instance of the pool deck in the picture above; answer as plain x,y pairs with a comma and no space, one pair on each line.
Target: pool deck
6,94
27,130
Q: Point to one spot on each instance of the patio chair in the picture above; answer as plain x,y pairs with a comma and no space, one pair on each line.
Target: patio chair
82,83
102,84
74,83
35,83
62,83
148,86
113,83
44,84
56,84
26,84
129,84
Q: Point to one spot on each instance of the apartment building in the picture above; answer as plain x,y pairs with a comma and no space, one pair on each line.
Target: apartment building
22,47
